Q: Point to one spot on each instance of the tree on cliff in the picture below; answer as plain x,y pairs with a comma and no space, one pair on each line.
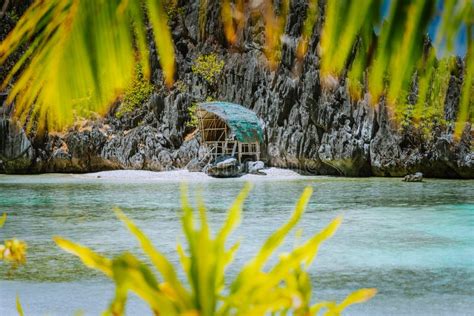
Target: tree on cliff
82,54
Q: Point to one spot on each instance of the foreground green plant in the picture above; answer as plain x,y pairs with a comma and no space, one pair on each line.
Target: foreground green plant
19,307
259,288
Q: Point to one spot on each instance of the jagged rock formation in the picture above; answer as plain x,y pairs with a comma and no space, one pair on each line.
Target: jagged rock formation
16,151
224,167
307,127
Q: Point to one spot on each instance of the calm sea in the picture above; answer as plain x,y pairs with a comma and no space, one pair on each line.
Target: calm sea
414,242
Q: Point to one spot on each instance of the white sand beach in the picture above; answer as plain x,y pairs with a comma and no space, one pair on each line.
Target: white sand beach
184,175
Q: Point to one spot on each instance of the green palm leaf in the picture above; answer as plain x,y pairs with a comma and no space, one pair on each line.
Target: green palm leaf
19,308
161,263
82,54
3,218
82,57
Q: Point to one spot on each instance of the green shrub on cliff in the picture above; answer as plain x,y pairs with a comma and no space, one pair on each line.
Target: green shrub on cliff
172,10
136,94
427,110
208,67
181,86
12,15
282,286
193,119
431,114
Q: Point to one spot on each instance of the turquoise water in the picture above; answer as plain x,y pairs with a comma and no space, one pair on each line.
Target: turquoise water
412,241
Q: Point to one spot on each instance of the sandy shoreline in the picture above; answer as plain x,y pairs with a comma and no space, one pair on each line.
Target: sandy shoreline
186,176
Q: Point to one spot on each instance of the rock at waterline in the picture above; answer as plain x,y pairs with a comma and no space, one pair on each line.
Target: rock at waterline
224,167
197,165
255,167
416,177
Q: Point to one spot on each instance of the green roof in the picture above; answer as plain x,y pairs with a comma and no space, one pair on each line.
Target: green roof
243,123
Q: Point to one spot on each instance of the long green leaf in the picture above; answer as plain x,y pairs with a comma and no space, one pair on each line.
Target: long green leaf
234,214
250,276
130,274
88,257
162,264
3,219
19,308
357,297
277,237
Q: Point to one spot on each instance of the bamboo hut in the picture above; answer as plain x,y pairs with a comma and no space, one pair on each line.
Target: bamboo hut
229,129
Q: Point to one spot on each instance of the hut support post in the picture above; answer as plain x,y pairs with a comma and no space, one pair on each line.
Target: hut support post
233,149
240,152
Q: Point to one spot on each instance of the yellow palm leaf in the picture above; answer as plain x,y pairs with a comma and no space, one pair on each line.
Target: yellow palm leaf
19,308
3,219
277,237
357,297
235,212
162,264
131,274
82,57
88,257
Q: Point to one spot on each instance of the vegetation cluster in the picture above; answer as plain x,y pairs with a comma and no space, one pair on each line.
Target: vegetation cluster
193,119
208,67
138,92
172,9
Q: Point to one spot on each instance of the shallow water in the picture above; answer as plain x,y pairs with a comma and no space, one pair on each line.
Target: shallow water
412,241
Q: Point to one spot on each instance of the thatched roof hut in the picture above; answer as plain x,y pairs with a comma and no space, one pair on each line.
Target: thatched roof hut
229,129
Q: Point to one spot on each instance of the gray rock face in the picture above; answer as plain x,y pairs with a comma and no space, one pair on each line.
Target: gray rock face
195,165
416,177
224,167
255,167
313,128
16,151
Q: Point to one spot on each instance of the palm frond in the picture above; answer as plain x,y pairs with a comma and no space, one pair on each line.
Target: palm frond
82,56
344,21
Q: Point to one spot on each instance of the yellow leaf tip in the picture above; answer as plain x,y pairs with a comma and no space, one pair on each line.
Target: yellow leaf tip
119,213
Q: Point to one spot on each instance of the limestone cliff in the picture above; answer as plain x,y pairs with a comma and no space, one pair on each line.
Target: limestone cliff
307,127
